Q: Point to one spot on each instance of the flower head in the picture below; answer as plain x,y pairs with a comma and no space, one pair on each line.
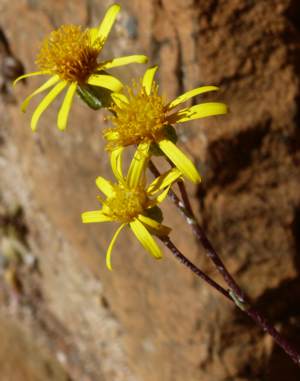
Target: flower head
71,53
70,56
130,200
143,117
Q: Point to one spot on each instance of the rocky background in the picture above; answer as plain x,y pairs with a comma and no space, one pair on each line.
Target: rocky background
63,315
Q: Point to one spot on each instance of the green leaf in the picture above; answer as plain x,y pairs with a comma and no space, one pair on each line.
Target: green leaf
155,213
170,133
95,97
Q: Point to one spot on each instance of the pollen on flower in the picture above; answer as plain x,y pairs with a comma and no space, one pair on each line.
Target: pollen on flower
70,53
140,120
126,203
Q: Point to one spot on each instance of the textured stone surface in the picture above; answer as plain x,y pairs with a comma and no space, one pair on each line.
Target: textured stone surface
151,321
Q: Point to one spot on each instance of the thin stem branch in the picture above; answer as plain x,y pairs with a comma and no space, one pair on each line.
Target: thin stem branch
185,207
210,251
186,262
235,293
250,311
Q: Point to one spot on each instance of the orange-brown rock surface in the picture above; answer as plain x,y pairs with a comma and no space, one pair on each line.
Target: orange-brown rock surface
148,320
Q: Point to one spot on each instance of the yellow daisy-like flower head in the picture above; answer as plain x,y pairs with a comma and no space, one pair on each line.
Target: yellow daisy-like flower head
130,200
139,117
143,116
70,56
71,53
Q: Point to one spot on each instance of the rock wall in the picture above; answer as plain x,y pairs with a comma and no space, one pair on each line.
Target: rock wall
151,321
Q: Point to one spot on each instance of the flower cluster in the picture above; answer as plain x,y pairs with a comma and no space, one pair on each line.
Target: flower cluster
140,117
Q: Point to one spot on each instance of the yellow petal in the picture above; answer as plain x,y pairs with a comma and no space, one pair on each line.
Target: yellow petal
121,61
108,21
116,163
49,98
190,94
163,195
105,186
111,245
42,88
111,135
65,107
137,165
145,238
202,110
43,72
107,81
119,99
163,181
93,32
94,216
148,78
179,159
161,230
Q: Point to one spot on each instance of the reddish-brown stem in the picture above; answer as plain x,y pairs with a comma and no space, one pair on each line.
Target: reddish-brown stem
209,249
185,261
250,311
235,293
185,207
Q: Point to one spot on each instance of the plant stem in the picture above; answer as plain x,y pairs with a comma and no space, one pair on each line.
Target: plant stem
186,262
250,311
235,293
185,207
210,251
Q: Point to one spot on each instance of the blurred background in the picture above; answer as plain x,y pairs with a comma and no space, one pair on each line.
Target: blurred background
63,315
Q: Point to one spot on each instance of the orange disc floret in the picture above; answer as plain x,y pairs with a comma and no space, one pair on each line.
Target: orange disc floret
70,53
141,118
126,204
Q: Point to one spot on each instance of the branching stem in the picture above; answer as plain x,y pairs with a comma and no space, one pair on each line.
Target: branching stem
235,293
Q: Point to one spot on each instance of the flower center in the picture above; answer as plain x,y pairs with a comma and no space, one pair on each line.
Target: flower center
125,204
70,52
141,119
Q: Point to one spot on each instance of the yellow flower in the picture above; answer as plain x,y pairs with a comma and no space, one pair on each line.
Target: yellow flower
144,117
130,201
69,54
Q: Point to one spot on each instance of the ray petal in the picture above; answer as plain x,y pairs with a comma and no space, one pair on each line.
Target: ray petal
145,238
105,186
160,229
54,79
93,32
121,61
179,159
111,245
111,135
163,181
119,99
137,165
94,216
202,110
30,75
63,113
116,163
190,94
163,195
49,98
108,21
107,81
148,78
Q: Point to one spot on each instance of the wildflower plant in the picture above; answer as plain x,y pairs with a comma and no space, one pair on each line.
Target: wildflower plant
70,56
129,201
142,118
